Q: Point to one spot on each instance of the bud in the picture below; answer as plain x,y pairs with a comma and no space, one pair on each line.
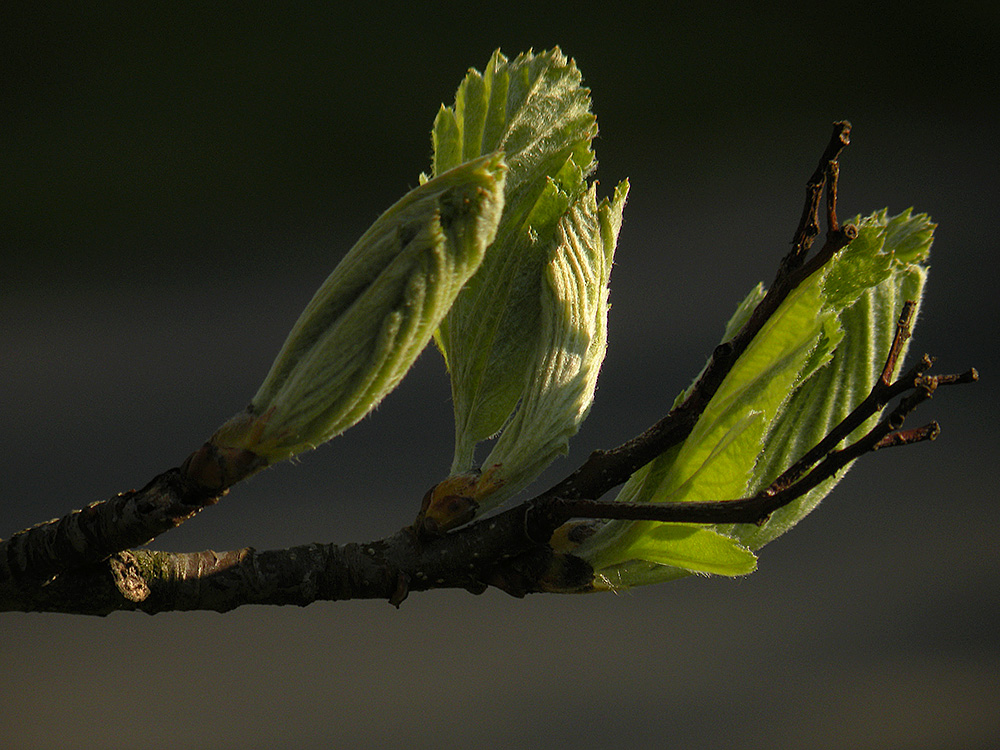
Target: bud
370,319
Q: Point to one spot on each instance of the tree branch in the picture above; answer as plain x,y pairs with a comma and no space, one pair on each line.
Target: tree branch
89,535
80,563
509,550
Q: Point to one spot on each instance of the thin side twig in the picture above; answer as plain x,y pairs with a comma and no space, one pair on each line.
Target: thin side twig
819,464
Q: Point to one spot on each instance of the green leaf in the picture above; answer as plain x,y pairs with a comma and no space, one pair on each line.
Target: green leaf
718,458
525,340
569,349
695,548
370,319
535,110
809,366
898,248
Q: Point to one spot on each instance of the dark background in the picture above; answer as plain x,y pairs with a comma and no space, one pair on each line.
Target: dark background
175,185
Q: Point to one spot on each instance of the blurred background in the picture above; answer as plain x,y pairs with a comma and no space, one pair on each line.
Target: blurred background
179,179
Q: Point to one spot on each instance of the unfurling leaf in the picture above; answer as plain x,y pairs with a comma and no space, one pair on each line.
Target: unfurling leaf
571,345
808,367
695,548
535,110
374,314
525,339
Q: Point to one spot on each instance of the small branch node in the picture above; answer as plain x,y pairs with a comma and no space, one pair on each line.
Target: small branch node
909,437
969,376
903,332
401,591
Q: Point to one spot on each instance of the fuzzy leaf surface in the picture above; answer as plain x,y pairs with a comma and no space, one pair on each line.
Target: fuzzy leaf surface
378,309
534,110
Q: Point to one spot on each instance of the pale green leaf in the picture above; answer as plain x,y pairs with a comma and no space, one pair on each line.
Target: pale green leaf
899,247
718,458
570,347
535,110
377,310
